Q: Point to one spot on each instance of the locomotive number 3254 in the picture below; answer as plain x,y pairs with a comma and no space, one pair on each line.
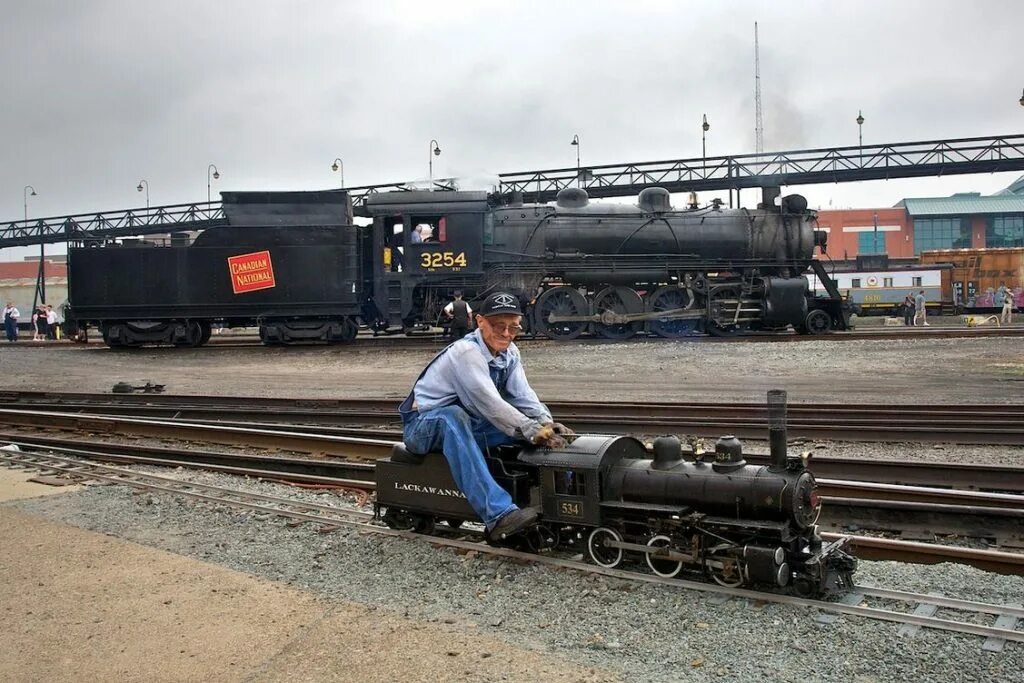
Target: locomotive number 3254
443,259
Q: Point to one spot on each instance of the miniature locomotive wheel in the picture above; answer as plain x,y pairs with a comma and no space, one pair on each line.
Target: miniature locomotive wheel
600,552
453,523
662,567
725,570
725,301
671,299
611,304
408,521
818,322
561,301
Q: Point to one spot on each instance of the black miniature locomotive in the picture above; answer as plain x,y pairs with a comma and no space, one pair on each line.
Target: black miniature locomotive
738,523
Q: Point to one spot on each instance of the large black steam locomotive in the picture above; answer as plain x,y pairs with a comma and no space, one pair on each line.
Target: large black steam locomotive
737,523
295,265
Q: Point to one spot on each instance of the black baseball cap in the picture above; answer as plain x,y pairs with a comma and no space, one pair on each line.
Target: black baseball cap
501,303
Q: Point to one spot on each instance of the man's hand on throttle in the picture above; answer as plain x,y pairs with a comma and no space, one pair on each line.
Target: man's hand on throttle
547,437
561,429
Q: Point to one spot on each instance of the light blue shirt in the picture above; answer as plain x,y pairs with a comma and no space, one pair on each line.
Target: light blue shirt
493,388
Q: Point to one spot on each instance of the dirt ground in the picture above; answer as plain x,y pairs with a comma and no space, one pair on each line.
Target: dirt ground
985,370
81,606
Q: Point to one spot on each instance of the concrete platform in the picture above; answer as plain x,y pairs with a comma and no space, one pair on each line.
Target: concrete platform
81,606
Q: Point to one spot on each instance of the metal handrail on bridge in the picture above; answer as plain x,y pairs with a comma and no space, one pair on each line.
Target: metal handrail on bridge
774,169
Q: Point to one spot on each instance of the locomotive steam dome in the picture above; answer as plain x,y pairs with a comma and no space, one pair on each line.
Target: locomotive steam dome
654,200
572,198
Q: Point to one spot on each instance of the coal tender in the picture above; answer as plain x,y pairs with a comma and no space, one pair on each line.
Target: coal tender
738,524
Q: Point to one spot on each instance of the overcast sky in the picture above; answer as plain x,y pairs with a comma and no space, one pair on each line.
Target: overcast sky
99,94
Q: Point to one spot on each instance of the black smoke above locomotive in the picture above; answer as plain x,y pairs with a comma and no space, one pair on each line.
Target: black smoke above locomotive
737,523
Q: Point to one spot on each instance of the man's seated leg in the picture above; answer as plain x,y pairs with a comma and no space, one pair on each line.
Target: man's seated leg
449,429
489,436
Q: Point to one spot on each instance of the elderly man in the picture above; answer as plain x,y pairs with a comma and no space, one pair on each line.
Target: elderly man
473,396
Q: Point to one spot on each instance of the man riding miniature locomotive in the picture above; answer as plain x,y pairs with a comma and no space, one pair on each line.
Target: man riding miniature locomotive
473,396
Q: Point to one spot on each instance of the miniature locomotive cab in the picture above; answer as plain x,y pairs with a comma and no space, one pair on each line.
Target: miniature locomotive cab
613,500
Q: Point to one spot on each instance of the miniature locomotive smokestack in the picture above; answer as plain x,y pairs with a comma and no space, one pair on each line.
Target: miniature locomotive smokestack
777,429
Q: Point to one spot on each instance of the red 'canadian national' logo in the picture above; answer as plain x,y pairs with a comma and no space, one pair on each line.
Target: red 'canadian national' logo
250,272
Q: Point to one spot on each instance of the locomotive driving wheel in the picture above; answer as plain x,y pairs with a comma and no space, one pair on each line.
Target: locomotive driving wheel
725,302
558,302
600,552
662,567
724,569
613,303
671,299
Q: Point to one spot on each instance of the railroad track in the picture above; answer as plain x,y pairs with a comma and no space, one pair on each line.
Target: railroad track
886,508
968,423
426,341
1003,630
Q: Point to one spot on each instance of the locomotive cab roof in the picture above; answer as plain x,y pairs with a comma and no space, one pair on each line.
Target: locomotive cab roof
426,202
592,451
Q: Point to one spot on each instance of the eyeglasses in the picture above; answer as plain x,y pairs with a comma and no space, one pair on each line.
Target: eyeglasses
502,328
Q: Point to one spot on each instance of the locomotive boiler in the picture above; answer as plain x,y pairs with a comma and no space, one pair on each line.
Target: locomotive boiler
616,501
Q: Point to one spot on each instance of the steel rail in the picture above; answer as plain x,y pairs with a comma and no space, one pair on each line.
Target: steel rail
639,418
307,512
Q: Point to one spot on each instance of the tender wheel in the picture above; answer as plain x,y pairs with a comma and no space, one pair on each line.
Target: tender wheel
725,570
561,301
662,567
601,553
818,322
671,299
613,302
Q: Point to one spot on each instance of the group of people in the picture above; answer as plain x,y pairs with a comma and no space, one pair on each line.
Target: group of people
914,311
44,322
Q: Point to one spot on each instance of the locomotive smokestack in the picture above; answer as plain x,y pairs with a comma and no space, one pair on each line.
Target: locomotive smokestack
777,429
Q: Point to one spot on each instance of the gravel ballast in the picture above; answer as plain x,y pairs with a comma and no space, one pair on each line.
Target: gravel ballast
647,632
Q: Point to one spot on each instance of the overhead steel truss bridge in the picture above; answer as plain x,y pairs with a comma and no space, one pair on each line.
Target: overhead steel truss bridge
769,169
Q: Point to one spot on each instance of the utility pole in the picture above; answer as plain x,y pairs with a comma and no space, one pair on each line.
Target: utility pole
758,121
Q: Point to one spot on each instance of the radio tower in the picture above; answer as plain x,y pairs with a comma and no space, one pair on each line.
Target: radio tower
758,122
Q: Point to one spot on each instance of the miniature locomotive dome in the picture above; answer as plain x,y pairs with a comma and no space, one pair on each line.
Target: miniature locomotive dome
572,198
668,450
728,454
654,200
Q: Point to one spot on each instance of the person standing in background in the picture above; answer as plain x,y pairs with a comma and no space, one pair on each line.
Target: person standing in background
11,316
908,309
1007,316
51,323
460,314
921,314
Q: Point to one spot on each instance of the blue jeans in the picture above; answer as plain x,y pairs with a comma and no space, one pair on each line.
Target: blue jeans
462,439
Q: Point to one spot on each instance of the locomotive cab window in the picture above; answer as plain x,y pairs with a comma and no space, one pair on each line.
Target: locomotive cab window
570,483
428,230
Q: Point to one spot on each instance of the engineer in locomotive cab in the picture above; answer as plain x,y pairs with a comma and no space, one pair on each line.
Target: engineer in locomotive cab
473,396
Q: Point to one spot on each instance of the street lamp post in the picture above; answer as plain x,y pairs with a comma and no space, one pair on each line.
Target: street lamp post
860,135
216,175
139,188
41,279
704,139
576,143
434,151
339,166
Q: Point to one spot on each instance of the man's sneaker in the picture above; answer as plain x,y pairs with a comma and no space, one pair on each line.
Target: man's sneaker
514,522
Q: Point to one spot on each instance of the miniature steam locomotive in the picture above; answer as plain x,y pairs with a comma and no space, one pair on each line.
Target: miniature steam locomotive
737,523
